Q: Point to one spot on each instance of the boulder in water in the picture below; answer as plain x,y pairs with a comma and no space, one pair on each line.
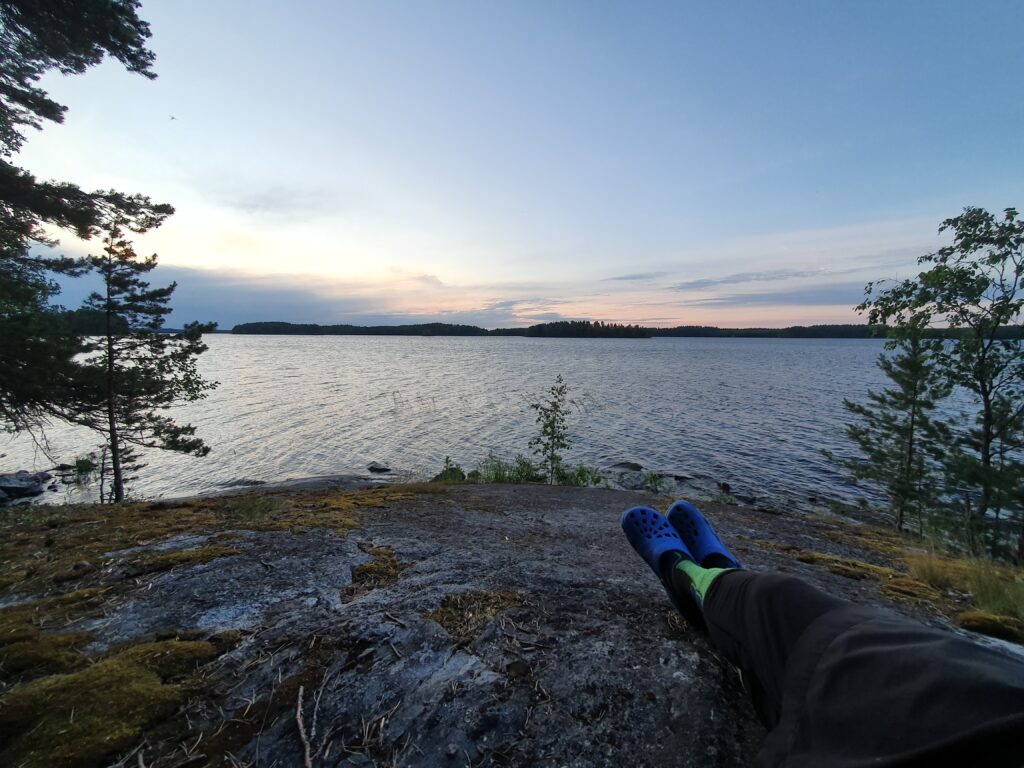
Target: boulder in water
627,466
633,481
242,482
23,483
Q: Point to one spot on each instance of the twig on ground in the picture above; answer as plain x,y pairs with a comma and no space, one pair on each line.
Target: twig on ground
307,756
316,705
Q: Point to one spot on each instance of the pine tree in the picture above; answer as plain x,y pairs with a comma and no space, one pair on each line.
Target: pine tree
132,377
901,442
975,287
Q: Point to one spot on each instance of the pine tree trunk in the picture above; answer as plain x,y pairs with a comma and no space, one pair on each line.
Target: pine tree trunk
985,454
117,480
909,459
908,466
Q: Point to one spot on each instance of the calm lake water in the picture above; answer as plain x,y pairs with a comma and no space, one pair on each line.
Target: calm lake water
751,412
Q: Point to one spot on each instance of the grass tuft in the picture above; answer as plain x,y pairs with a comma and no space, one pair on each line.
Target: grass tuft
993,588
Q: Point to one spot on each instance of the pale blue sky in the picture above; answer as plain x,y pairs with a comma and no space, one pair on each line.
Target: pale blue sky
742,163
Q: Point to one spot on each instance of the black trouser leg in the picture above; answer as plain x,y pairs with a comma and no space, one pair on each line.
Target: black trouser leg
755,619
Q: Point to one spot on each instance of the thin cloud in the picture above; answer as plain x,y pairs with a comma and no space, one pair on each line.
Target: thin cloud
277,202
849,294
432,281
638,276
740,278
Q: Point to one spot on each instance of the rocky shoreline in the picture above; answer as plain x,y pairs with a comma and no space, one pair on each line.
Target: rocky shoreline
25,486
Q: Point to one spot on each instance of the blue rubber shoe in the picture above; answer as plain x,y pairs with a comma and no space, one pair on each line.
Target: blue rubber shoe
699,537
652,536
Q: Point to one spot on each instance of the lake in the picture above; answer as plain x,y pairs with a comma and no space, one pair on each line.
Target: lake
754,413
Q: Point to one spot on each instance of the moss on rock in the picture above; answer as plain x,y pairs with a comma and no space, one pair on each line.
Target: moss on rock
24,621
167,658
48,545
83,718
993,624
464,615
841,566
46,654
382,571
906,587
164,561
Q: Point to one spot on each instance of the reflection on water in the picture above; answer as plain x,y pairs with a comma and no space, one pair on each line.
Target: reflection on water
752,412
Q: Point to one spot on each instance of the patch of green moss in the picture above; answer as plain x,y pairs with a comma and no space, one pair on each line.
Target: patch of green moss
382,571
841,566
164,561
167,658
44,543
993,624
24,621
905,587
886,542
464,615
46,654
339,512
83,718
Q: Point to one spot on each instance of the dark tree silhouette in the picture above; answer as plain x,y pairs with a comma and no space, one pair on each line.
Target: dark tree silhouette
37,347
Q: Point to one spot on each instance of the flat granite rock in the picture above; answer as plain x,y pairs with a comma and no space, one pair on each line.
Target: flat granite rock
482,625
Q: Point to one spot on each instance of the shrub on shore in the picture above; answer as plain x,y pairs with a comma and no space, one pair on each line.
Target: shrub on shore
495,469
551,439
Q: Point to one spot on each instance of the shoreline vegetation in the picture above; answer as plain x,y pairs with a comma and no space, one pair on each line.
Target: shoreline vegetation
585,329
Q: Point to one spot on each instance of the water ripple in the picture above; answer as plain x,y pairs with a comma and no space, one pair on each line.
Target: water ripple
752,412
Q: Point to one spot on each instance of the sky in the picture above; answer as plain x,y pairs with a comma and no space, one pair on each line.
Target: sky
501,164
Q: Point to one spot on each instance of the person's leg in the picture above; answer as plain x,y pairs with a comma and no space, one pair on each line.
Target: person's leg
755,620
861,686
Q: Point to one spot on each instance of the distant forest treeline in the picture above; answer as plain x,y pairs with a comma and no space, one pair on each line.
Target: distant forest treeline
582,329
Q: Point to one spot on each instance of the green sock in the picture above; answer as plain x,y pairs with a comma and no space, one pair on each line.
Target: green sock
700,578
